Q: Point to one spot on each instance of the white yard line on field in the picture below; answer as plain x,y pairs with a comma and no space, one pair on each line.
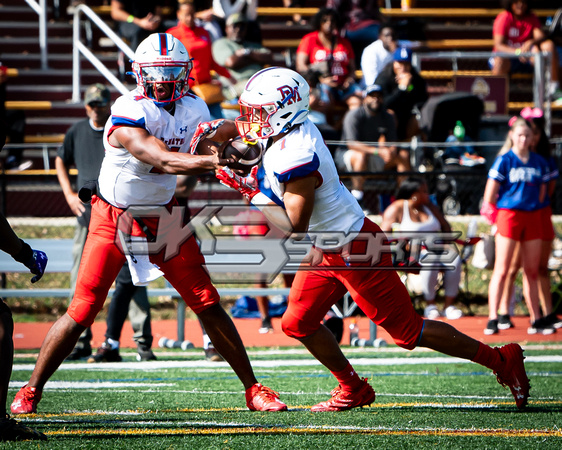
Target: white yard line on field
278,363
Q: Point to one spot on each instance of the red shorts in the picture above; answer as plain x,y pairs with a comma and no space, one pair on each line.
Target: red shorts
377,291
102,260
519,225
546,223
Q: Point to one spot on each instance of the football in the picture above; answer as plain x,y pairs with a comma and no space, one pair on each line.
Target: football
247,154
207,147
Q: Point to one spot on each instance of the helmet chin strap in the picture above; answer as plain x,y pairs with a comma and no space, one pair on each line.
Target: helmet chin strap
288,125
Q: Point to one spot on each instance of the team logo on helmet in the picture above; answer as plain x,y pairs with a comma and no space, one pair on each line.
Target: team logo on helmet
289,95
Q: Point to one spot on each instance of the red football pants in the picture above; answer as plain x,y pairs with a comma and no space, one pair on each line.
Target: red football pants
102,260
378,291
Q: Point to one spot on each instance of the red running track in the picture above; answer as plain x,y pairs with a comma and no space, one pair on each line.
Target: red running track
31,335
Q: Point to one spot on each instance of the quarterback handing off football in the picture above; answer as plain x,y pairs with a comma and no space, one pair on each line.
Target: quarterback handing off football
247,153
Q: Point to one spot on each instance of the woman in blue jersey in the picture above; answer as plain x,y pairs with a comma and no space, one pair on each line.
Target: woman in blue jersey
513,198
541,146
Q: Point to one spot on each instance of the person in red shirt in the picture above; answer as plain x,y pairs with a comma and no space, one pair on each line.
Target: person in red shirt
332,57
518,30
198,43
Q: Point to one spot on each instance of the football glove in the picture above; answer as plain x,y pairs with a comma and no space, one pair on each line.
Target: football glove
34,260
247,186
489,212
204,130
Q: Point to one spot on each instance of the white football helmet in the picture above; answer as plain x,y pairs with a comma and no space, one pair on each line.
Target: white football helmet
273,100
162,59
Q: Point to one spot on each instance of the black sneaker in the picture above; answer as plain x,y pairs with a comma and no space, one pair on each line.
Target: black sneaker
504,322
106,354
145,353
266,326
541,326
79,352
12,430
553,320
211,354
491,328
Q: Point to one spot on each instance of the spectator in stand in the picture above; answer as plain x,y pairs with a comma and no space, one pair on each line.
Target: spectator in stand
361,21
321,112
297,18
403,89
198,43
206,19
83,149
35,261
513,200
541,146
13,126
518,30
137,19
241,57
332,57
225,8
415,212
378,54
364,127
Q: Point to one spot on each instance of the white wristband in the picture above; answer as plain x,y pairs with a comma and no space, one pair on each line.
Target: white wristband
260,199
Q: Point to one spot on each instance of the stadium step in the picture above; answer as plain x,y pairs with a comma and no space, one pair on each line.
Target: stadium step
18,29
28,76
56,60
31,44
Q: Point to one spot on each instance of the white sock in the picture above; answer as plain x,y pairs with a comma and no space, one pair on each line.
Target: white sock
554,86
112,343
206,341
357,194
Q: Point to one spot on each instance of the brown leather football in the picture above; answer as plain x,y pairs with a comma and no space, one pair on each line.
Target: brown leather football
247,154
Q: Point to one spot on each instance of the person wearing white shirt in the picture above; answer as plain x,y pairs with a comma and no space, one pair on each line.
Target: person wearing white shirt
378,54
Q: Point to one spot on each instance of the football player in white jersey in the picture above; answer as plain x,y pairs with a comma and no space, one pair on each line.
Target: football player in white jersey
302,174
147,139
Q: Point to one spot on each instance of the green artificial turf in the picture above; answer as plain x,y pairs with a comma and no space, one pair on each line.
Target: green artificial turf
424,400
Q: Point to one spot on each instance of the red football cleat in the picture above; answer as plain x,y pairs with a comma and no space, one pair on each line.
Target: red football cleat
343,400
513,373
26,400
262,398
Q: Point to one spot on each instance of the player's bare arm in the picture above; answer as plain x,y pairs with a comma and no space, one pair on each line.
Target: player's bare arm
226,131
362,147
153,151
299,204
76,206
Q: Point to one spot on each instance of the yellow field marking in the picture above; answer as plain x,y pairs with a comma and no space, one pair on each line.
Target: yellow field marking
137,412
305,430
490,404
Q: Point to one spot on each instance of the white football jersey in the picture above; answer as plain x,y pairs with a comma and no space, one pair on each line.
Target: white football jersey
124,180
337,217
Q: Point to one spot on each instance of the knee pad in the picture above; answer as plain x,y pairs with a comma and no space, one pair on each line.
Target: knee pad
297,329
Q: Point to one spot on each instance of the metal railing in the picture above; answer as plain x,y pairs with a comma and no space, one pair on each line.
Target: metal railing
78,48
41,10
